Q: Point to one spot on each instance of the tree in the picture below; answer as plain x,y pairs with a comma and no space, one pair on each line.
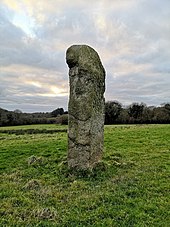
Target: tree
135,111
123,117
59,111
147,115
17,111
112,111
161,115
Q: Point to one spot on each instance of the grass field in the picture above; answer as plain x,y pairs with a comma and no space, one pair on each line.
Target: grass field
129,188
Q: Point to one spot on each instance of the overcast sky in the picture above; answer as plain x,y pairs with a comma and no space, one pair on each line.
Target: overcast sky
132,38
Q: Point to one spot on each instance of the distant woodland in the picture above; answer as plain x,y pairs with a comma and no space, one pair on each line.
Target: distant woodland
115,113
16,117
136,113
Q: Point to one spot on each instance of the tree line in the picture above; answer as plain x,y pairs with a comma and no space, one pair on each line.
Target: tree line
136,113
16,117
115,113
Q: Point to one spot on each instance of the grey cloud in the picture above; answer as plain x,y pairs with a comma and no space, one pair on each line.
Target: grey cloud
132,38
28,98
34,104
73,26
140,88
17,48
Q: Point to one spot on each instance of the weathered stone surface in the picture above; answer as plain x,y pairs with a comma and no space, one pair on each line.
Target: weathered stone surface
86,107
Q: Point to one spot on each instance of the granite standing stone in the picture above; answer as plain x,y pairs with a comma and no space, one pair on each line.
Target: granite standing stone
86,107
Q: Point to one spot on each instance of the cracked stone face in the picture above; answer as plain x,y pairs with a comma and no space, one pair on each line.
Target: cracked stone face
86,107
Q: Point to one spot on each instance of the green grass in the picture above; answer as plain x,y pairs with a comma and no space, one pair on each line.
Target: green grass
129,188
40,127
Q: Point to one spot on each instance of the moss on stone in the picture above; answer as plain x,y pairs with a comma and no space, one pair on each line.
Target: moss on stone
86,107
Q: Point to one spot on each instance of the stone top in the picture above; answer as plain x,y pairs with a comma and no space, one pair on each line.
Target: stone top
85,58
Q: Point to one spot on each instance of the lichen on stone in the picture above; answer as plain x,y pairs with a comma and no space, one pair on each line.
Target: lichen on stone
86,107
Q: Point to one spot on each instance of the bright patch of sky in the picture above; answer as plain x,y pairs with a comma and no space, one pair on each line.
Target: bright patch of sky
24,22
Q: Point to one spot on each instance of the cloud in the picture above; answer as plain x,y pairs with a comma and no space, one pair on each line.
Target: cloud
131,37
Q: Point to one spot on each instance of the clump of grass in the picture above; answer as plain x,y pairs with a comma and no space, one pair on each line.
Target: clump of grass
32,184
45,213
33,160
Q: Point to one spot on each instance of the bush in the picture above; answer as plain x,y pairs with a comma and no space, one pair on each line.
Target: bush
63,119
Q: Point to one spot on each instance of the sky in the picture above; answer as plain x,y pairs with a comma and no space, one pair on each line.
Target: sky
132,38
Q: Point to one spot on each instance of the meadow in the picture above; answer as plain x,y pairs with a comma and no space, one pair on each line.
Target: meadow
130,187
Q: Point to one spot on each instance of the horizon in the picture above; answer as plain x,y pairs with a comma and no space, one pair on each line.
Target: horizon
131,38
66,110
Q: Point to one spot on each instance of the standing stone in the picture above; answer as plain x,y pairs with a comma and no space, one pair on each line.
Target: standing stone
86,107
